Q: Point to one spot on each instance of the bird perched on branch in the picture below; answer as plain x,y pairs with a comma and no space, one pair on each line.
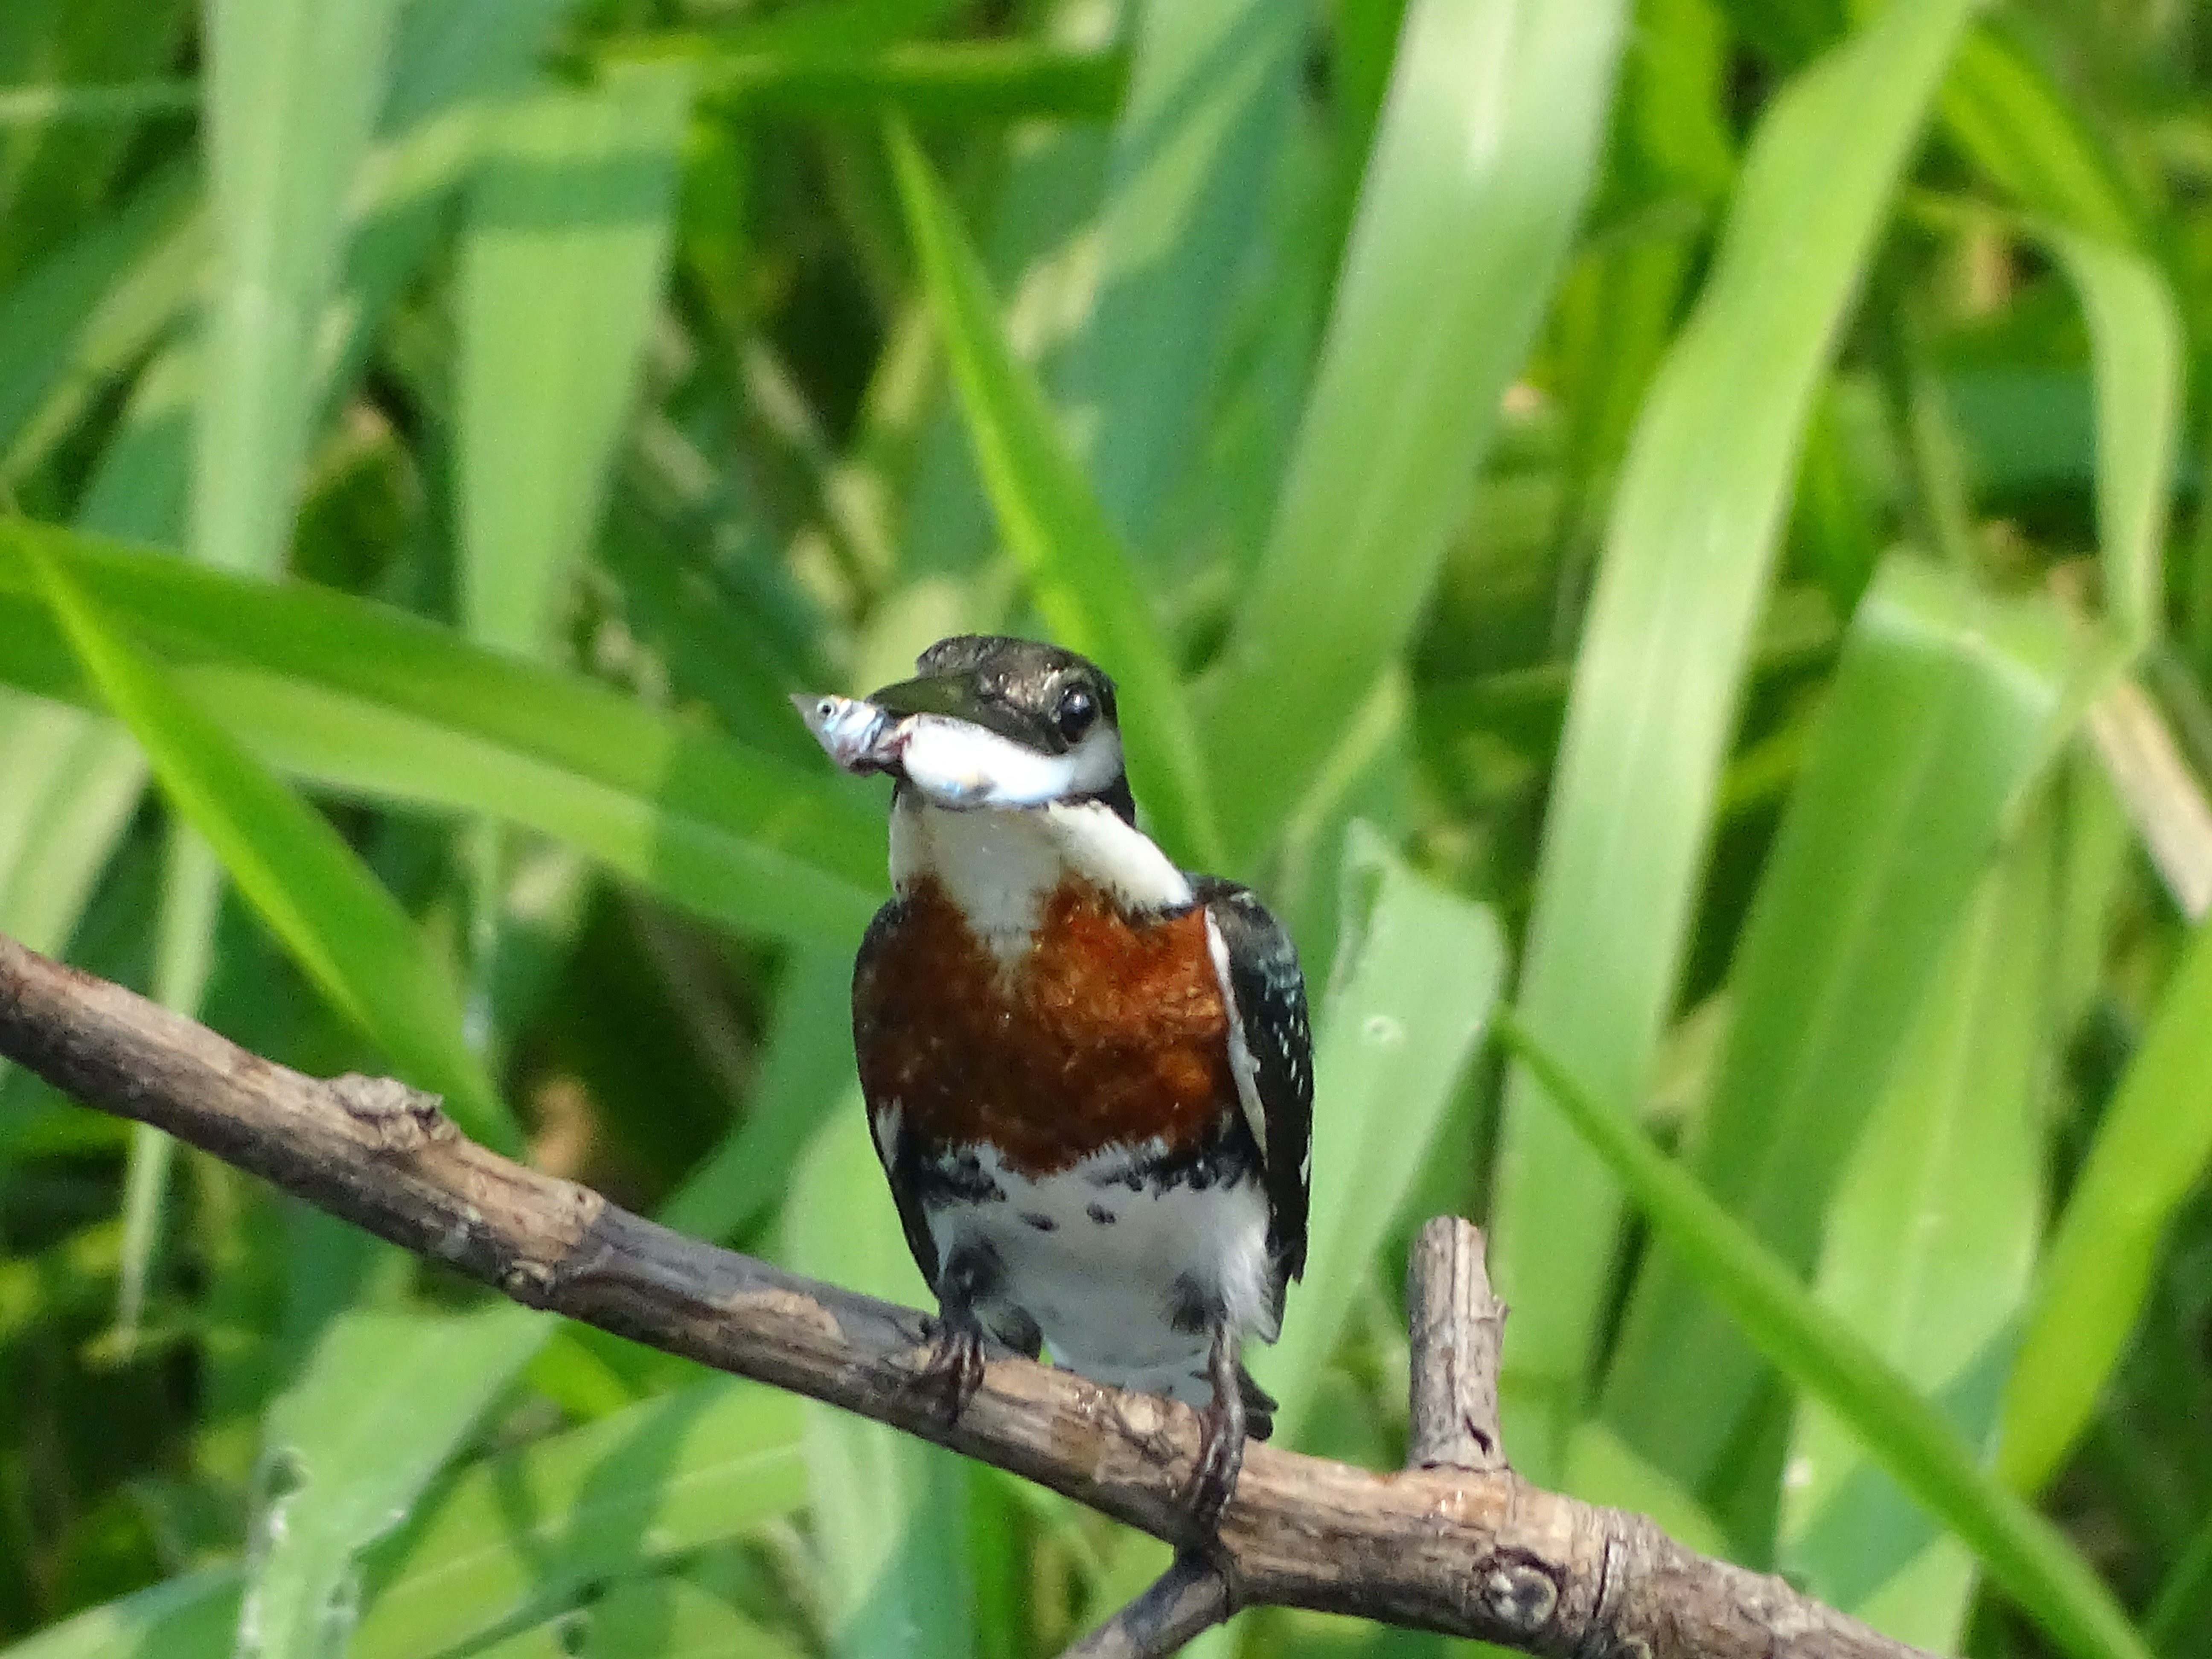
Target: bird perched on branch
1088,1073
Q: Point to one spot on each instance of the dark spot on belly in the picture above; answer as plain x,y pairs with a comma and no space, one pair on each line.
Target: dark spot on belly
956,1175
1190,1310
1043,1224
1101,1214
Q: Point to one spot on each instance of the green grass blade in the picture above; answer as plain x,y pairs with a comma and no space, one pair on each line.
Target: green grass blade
890,1511
352,938
293,91
2136,353
1940,711
600,1502
804,1074
193,1616
1079,572
1931,1244
71,327
380,1406
654,1618
57,178
975,80
1194,151
124,101
68,784
527,1530
363,698
1603,1468
566,240
2005,110
184,956
2183,1604
2024,1553
1488,140
1686,566
2009,114
2150,1151
1416,977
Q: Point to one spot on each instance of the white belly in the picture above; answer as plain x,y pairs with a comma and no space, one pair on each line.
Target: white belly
1102,1269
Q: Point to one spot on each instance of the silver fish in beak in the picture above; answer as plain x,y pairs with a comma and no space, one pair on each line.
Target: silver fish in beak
852,732
953,761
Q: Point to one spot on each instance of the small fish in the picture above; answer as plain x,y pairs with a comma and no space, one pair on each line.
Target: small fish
956,764
852,731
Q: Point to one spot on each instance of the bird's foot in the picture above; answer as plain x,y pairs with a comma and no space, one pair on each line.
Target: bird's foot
1214,1477
1221,1437
954,1370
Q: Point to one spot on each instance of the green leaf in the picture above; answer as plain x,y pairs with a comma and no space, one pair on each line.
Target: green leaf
349,935
2151,1150
889,1511
526,1531
183,956
68,784
1662,654
1941,709
1603,1468
1417,975
2028,1557
806,1073
2185,1600
985,80
293,88
1195,150
73,325
2005,110
192,1616
1930,1247
380,1406
2136,349
1488,141
566,240
654,1618
1079,573
363,698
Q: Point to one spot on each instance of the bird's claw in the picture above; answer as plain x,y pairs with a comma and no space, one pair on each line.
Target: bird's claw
1214,1475
954,1370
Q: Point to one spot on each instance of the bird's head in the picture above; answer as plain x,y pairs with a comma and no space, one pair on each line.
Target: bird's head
987,722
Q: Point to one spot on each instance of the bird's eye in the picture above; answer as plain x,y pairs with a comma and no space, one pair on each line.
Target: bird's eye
1077,708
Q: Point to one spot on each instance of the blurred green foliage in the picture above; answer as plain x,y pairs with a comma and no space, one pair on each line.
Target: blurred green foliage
1625,508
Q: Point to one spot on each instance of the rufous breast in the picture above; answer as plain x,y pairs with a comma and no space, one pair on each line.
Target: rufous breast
1107,1032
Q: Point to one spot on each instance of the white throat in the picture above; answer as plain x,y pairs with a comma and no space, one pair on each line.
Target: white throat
998,864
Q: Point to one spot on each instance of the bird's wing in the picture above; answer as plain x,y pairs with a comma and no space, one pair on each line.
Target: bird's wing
1270,1052
895,1146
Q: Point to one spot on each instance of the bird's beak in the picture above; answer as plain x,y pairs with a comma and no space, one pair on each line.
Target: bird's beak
953,696
941,736
871,733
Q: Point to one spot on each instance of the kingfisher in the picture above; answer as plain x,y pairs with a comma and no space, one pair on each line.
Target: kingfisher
1088,1073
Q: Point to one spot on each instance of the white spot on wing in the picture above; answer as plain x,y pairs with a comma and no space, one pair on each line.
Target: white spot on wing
885,1125
1241,1065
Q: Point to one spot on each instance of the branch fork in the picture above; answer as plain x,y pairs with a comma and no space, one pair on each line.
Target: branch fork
1454,1542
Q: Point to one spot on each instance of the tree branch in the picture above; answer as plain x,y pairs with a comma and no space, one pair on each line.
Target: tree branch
1456,1326
1470,1552
1190,1596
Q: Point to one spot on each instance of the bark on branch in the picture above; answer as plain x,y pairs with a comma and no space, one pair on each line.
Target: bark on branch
1472,1551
